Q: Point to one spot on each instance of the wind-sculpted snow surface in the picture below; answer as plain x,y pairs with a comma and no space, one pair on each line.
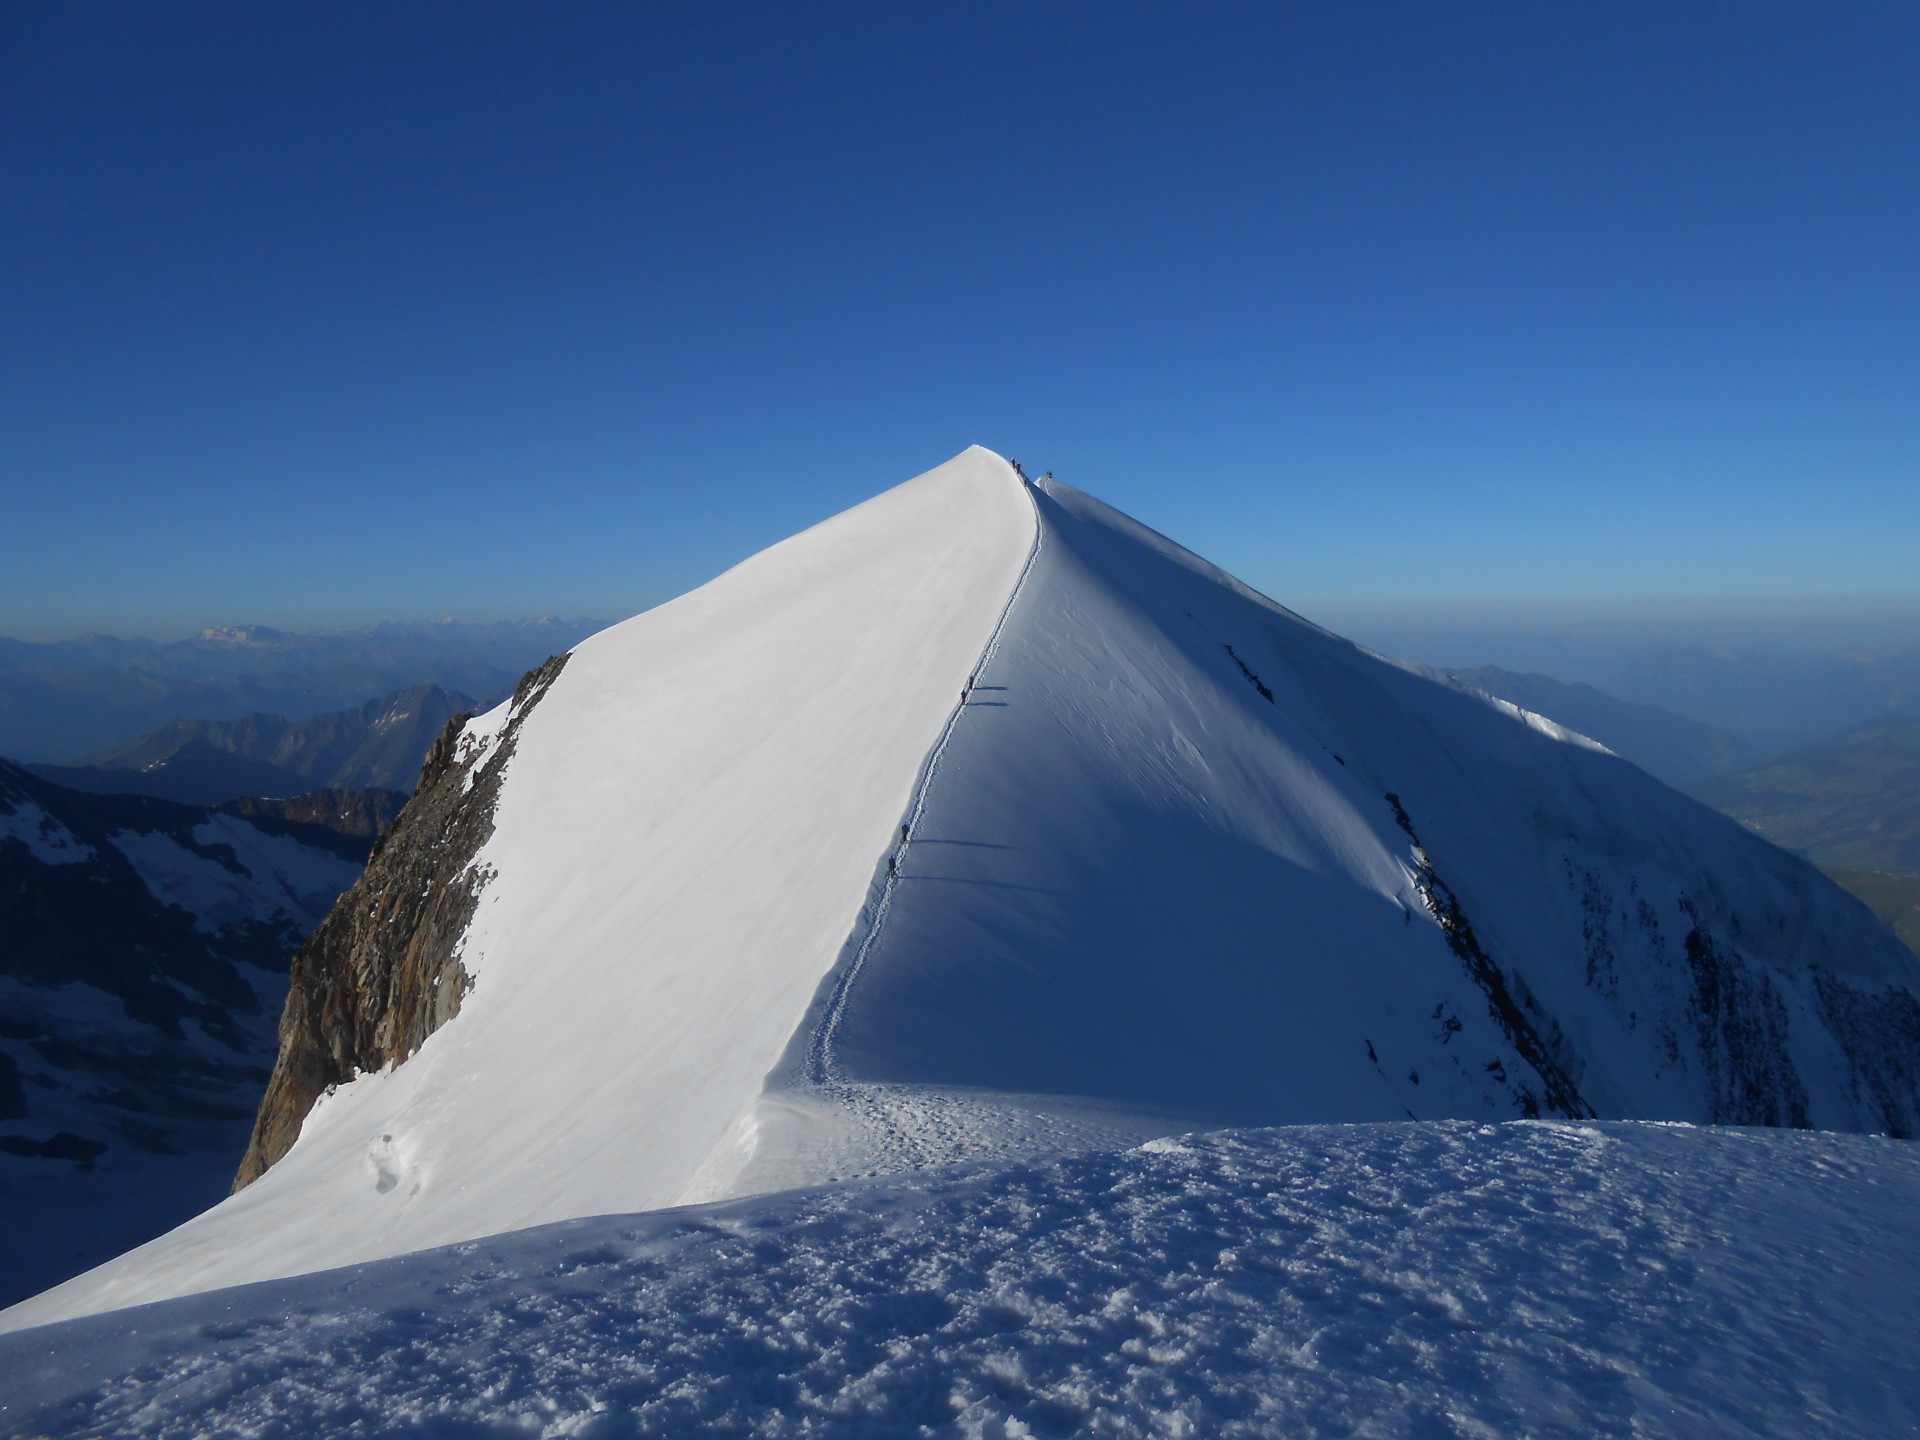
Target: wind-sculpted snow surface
1387,1280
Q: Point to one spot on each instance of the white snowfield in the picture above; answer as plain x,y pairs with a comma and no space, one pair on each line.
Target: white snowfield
46,839
779,897
279,877
1437,1280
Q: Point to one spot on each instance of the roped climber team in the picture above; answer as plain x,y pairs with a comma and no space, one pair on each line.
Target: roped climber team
966,690
1025,479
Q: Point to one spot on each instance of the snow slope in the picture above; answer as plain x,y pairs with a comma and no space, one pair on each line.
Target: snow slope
773,902
1443,1279
1168,869
682,843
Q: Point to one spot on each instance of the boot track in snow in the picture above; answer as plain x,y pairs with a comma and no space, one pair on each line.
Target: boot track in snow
821,1070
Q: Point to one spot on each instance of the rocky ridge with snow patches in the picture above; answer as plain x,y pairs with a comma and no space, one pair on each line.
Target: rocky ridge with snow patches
143,949
383,970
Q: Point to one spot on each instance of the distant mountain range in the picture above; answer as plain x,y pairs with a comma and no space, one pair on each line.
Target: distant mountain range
348,821
148,904
1775,699
379,744
1665,745
69,699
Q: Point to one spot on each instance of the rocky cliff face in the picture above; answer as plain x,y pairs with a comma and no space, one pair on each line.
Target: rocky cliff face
383,971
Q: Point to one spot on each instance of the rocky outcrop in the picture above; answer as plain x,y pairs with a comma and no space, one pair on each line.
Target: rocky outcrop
1511,1007
1881,1032
383,971
1742,1035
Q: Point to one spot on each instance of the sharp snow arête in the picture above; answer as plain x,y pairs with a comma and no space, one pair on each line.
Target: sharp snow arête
981,822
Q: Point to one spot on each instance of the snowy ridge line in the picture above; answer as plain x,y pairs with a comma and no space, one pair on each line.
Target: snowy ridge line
820,1068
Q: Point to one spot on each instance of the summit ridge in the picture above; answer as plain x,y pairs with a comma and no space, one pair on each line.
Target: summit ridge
981,822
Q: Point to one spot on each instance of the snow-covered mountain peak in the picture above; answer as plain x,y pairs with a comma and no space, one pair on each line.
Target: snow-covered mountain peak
982,821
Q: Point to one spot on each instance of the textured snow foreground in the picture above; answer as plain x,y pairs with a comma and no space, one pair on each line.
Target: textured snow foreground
1437,1279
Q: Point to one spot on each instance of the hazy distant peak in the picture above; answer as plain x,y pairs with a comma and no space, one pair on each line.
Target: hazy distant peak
242,635
380,744
1672,747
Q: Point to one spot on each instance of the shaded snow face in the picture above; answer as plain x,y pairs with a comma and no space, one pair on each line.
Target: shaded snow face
1397,1280
1187,855
1139,877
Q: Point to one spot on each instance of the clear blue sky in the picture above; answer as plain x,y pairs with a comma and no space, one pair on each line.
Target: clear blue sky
314,314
